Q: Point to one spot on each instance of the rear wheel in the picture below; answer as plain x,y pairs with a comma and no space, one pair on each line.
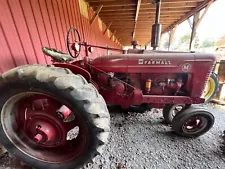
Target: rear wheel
51,118
211,88
193,122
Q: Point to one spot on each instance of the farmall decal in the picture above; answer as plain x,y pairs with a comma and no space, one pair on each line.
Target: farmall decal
154,62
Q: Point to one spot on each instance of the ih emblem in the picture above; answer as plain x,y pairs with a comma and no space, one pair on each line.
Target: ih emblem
186,67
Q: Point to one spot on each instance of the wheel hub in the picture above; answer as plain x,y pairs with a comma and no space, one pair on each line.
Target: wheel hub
45,130
194,124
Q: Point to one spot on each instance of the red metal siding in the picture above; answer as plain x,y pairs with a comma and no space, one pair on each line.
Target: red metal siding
28,25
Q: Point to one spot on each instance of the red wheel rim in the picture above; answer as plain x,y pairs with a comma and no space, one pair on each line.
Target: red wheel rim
31,123
194,124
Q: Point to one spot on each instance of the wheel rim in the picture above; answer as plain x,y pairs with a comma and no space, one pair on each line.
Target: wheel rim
31,122
175,109
209,88
194,125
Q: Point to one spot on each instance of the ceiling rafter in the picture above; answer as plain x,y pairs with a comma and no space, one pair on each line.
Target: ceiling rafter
96,14
129,24
107,28
189,14
131,2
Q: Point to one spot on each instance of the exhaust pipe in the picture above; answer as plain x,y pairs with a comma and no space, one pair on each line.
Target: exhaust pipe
156,28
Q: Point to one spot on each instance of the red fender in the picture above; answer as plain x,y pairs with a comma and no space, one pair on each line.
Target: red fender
75,69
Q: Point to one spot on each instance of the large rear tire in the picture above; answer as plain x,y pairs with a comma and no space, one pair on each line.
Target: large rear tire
211,88
23,89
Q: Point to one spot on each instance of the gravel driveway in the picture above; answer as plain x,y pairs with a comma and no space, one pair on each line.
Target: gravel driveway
142,141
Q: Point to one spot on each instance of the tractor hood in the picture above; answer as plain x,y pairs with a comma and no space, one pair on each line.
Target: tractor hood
141,63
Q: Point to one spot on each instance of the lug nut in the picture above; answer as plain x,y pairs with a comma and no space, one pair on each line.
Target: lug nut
38,138
63,112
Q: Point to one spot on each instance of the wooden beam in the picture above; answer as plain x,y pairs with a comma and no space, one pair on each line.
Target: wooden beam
131,2
99,0
116,13
114,3
117,17
138,26
96,14
147,12
171,5
147,1
119,8
139,20
167,10
145,22
106,10
107,28
203,15
140,17
147,29
112,34
189,14
137,10
169,15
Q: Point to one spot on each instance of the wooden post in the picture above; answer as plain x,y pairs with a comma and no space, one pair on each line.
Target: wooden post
96,14
196,21
107,28
171,36
193,31
136,17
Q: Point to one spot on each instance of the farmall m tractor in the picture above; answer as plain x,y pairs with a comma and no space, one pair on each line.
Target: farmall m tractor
55,116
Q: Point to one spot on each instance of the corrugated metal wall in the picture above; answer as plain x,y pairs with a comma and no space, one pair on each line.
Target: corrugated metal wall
28,25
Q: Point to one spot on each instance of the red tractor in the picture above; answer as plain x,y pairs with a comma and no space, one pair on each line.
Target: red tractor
55,116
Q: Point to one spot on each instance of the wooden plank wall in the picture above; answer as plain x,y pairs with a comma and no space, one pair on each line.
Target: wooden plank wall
28,25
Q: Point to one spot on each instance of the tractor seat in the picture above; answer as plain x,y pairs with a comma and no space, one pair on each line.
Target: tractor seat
57,56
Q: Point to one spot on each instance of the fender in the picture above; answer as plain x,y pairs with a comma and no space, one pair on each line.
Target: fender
75,69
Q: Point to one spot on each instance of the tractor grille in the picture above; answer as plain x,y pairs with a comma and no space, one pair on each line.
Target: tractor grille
208,75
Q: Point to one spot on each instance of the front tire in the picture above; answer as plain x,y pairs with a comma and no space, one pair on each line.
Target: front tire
30,97
192,122
170,110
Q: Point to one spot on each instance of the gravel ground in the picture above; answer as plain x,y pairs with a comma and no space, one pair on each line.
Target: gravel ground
142,141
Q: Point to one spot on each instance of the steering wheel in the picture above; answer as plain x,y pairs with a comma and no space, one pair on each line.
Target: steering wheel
75,45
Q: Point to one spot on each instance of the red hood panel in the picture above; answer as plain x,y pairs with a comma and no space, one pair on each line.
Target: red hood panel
139,63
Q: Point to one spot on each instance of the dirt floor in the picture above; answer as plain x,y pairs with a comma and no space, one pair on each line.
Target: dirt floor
142,141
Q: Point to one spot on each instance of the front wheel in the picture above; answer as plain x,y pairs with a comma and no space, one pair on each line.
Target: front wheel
193,122
170,110
51,118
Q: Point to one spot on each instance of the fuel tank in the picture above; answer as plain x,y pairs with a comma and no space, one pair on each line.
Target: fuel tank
155,62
